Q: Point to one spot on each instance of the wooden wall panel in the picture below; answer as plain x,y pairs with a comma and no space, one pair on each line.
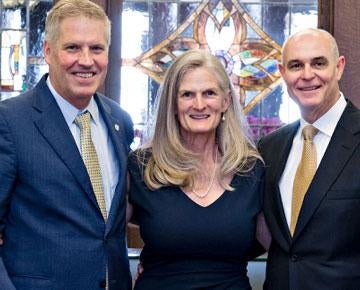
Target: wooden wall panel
325,15
341,19
347,33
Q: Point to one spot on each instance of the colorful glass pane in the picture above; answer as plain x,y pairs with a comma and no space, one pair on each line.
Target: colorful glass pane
245,35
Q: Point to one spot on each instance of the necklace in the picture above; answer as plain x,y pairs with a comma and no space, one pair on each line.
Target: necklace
203,195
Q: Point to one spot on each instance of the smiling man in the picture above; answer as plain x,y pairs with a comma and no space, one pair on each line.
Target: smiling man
311,68
63,152
312,194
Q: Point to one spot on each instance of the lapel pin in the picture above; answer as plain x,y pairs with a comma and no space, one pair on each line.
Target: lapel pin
117,127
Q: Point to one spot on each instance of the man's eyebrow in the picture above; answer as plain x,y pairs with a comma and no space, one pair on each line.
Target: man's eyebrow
319,58
293,61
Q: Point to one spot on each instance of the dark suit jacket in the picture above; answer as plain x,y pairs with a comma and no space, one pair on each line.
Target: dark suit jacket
325,250
55,236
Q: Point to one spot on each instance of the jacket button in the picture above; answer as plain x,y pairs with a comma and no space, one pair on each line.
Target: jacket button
103,284
294,258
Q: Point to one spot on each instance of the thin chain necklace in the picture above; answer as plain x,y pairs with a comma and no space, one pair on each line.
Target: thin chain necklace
201,196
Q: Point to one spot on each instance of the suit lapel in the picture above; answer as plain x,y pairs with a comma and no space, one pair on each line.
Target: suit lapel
282,149
339,151
52,126
117,134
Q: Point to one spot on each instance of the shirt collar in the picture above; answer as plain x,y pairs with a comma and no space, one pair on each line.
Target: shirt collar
326,123
69,111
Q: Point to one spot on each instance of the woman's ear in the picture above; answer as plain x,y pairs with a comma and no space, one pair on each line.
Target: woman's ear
227,101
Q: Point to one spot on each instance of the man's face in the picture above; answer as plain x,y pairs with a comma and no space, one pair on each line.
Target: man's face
311,71
78,59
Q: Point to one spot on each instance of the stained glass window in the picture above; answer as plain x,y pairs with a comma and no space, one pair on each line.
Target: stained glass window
245,35
21,41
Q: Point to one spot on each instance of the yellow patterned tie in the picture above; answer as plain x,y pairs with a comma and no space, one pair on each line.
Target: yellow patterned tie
90,159
304,174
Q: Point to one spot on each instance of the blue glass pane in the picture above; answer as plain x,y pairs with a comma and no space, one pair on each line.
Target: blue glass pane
255,11
301,16
35,72
135,29
163,20
37,27
188,32
185,10
13,16
275,18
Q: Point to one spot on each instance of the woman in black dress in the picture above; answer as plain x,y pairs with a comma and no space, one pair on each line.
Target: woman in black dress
196,187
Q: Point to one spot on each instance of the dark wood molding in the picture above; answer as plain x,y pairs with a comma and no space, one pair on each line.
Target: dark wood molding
326,15
347,34
112,82
111,86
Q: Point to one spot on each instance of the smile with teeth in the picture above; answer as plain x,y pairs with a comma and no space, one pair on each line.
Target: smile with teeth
85,75
309,88
200,116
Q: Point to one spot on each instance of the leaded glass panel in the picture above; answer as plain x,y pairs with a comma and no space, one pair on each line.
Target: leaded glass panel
245,35
22,36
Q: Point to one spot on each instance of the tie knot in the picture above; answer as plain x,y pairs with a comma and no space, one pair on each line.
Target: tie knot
83,120
309,132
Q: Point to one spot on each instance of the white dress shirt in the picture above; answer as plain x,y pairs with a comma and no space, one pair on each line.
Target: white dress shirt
100,137
326,125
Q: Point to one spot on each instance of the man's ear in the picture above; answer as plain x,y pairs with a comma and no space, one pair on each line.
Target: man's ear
281,68
46,52
340,67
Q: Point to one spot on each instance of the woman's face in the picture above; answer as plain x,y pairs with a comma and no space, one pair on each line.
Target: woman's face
200,103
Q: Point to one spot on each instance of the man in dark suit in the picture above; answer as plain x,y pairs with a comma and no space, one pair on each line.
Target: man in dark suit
315,230
60,230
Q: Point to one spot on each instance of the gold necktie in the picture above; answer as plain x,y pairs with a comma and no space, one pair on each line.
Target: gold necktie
304,174
90,159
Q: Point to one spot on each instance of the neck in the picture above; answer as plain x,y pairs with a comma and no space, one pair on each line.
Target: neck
202,146
202,191
200,143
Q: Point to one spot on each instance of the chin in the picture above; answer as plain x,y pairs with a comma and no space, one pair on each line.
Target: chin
81,93
202,131
307,100
310,102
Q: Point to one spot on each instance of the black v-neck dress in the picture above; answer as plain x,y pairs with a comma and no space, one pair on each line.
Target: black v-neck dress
190,247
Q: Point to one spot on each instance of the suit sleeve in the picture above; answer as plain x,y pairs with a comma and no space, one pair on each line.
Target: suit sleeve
260,146
129,127
257,248
7,181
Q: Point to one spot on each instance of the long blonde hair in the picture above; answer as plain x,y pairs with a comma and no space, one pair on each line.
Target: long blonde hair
170,162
